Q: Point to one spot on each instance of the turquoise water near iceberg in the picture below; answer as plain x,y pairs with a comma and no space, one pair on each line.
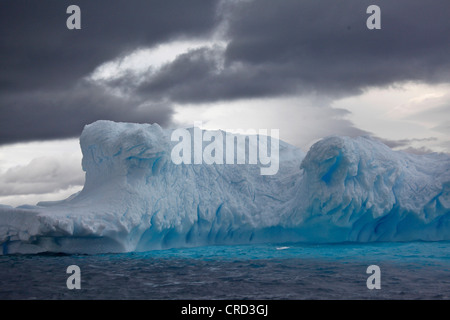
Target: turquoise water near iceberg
411,270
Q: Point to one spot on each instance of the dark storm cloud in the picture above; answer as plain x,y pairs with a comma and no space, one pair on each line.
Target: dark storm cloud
197,76
324,46
37,50
42,63
47,114
276,48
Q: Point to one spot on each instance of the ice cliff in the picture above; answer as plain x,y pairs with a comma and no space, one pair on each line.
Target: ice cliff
135,198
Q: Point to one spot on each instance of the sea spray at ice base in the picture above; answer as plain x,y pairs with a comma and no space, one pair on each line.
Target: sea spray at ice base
136,199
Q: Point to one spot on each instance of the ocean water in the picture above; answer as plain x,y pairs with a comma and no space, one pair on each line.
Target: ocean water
413,270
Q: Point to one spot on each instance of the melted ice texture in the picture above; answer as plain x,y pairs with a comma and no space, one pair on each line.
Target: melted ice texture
136,199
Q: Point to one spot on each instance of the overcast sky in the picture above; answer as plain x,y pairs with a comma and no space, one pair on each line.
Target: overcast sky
309,68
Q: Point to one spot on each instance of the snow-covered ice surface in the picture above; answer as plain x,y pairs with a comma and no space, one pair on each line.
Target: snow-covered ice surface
136,199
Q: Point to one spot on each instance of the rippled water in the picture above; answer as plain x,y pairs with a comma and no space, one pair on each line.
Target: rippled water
418,270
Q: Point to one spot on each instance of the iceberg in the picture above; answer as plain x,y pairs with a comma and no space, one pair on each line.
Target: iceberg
136,199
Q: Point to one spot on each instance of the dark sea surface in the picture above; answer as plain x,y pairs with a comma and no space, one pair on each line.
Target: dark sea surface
413,270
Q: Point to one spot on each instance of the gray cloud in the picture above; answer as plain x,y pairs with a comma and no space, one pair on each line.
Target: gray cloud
326,43
290,47
53,114
408,145
421,150
276,48
42,175
38,51
439,115
404,142
298,47
312,124
42,63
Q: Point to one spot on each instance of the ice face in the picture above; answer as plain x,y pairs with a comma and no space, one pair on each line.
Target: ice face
373,193
135,198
